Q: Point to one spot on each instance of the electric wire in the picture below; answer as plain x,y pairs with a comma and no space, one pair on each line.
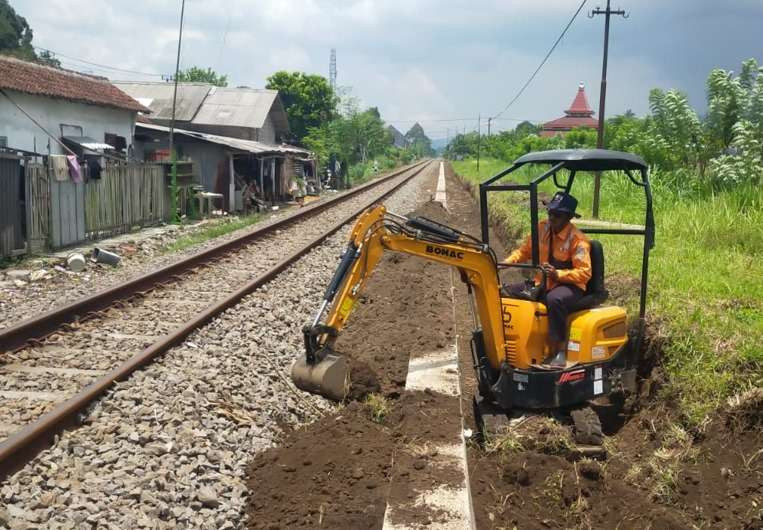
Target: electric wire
102,66
558,40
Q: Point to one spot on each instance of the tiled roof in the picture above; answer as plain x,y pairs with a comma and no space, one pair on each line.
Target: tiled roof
40,80
579,104
570,122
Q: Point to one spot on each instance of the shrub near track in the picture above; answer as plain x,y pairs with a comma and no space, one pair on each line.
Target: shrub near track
705,275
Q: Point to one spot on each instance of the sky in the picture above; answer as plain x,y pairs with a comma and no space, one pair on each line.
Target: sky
441,63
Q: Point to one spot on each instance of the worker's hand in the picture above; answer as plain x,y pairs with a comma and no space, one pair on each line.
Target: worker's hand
551,271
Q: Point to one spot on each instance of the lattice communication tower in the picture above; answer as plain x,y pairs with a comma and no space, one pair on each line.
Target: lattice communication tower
332,70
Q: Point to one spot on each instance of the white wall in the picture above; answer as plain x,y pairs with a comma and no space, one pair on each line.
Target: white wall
95,121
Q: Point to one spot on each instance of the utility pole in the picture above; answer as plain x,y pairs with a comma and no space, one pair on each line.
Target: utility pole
479,140
488,126
602,96
173,158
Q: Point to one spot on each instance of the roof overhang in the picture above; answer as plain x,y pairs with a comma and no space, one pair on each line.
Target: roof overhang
237,144
87,143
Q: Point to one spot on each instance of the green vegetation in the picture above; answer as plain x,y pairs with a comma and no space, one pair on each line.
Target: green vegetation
706,278
200,75
307,98
225,226
16,37
334,127
378,407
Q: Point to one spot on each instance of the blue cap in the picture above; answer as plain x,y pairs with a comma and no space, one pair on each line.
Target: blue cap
563,202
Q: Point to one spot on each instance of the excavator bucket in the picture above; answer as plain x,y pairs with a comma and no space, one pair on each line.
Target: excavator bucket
328,377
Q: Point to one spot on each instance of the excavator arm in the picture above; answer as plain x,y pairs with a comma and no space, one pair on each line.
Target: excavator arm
375,232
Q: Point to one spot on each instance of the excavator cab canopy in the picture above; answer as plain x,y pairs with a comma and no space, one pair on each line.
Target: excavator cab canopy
575,160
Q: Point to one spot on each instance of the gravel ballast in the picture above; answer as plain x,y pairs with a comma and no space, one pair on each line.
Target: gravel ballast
169,447
39,286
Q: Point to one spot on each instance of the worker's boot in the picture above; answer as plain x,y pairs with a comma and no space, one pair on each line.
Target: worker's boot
559,360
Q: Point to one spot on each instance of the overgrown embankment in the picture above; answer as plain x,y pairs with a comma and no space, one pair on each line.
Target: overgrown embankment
705,276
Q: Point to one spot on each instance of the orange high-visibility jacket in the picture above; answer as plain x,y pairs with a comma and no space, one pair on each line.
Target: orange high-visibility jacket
570,245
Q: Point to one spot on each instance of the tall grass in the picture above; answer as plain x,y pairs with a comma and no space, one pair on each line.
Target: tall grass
705,275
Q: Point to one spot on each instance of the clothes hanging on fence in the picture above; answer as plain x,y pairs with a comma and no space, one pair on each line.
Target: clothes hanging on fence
94,168
75,171
60,166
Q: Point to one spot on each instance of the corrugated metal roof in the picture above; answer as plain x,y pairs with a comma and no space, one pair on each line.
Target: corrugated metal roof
246,146
87,142
158,97
236,107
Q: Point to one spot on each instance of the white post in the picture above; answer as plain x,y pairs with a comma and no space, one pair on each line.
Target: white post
231,188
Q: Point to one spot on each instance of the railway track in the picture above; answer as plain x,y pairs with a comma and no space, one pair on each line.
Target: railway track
55,365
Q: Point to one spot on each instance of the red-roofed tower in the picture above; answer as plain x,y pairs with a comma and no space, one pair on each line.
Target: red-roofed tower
578,115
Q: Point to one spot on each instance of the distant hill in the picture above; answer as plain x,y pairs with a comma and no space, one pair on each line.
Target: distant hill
438,144
419,140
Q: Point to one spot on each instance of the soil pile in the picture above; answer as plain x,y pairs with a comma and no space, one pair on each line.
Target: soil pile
656,475
333,474
406,307
336,472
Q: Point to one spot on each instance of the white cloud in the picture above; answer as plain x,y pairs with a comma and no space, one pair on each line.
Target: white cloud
413,59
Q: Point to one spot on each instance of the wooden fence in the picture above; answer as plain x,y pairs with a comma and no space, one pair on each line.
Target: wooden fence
125,196
66,213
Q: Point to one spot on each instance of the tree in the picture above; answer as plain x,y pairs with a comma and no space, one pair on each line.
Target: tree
307,98
15,34
199,75
46,57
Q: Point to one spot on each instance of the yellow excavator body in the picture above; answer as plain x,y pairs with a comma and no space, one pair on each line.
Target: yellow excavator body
512,331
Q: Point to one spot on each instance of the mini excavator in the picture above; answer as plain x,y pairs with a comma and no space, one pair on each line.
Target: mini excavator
509,338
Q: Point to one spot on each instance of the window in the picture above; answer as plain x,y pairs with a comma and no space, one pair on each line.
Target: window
118,142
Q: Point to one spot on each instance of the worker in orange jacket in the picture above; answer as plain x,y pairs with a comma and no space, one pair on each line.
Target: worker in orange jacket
565,254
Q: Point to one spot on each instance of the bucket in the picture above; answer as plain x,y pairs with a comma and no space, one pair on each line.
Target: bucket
104,256
76,262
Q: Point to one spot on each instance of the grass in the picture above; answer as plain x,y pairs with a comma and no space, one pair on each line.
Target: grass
378,407
225,226
705,275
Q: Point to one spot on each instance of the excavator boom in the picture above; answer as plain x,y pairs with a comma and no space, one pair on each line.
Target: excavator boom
376,231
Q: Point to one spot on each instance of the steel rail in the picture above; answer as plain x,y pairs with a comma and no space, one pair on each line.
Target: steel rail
36,328
22,446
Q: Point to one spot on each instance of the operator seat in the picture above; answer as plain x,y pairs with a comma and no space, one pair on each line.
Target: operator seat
595,293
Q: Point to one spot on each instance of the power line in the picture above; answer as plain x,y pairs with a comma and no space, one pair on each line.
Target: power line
425,120
225,36
521,90
102,66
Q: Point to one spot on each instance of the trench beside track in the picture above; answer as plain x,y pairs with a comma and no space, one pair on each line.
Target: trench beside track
149,314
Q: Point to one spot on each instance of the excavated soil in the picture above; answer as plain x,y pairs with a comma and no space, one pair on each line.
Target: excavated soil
336,473
656,475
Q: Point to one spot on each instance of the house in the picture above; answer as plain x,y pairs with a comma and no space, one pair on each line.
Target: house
44,109
398,138
219,132
578,115
245,113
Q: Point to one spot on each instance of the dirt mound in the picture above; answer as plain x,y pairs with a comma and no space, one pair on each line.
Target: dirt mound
406,307
657,475
363,381
336,472
333,474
